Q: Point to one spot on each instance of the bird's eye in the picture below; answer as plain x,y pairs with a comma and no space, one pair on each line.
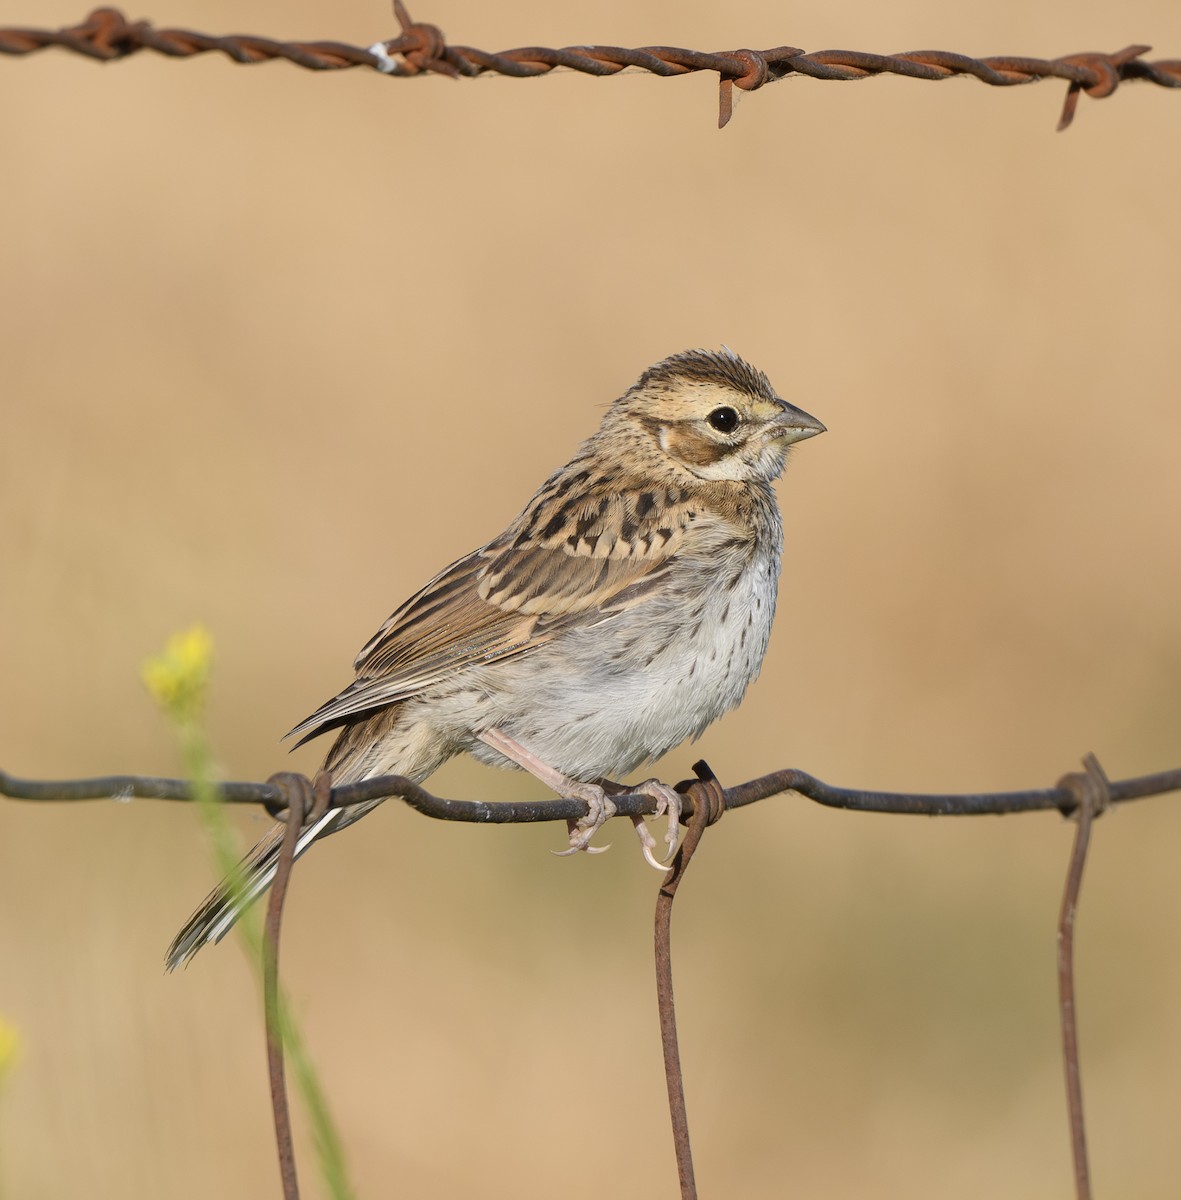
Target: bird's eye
724,420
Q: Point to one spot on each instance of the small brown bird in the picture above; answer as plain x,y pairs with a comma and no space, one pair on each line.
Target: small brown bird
626,608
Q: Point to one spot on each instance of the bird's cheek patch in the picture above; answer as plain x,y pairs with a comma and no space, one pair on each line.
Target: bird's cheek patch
689,447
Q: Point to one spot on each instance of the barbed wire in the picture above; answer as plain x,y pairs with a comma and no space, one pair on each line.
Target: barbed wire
422,49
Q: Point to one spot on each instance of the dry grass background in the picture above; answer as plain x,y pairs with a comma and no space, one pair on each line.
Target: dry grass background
276,346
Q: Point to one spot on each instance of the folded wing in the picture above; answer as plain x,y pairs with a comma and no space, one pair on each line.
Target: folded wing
585,562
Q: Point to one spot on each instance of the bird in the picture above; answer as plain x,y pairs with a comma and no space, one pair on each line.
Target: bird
624,610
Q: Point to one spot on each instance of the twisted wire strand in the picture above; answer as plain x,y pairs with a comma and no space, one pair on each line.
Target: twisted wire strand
421,48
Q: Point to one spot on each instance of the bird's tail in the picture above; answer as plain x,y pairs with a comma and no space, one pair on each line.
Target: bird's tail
226,903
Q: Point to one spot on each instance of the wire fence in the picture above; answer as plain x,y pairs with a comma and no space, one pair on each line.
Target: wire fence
422,49
297,801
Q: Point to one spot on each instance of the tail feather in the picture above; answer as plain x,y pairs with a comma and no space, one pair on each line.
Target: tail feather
353,756
223,906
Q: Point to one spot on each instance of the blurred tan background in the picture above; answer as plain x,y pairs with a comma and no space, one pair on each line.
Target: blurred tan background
277,346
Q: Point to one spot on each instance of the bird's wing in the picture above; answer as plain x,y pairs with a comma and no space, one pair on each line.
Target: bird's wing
588,559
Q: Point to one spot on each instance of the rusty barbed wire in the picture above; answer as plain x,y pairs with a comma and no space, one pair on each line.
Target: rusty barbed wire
422,49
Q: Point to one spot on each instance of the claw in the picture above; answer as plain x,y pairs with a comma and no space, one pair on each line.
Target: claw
647,845
667,801
601,809
585,850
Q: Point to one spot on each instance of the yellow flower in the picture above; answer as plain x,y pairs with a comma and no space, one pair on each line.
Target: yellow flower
10,1045
177,678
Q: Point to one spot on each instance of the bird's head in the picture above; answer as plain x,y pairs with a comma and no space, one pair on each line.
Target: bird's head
713,415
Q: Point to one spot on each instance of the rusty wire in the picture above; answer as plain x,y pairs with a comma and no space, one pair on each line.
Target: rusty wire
708,804
483,812
705,800
422,49
305,801
298,790
1092,793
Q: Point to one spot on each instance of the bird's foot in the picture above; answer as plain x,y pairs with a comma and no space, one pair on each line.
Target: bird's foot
600,809
668,802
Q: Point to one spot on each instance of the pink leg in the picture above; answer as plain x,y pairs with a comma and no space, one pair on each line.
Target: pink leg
597,797
600,809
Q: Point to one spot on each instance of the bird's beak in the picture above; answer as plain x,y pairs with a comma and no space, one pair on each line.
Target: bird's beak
796,425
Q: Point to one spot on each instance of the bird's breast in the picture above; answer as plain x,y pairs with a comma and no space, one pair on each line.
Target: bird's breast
610,694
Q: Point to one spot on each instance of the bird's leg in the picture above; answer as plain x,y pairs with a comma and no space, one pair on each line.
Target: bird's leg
600,808
597,797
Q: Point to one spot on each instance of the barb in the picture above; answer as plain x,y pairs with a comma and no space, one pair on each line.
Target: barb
422,49
708,806
483,812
